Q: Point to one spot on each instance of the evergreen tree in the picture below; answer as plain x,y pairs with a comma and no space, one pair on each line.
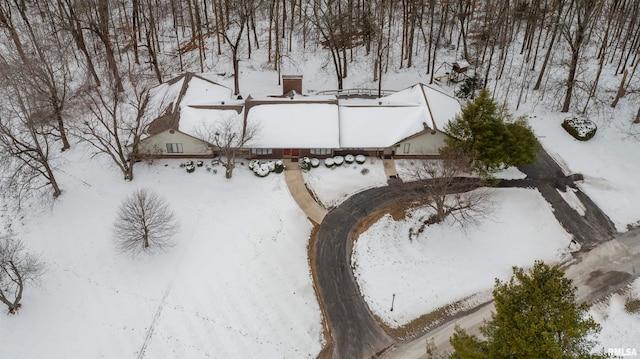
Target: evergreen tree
523,145
481,132
536,317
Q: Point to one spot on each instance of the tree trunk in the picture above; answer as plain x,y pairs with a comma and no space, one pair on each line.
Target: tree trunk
573,66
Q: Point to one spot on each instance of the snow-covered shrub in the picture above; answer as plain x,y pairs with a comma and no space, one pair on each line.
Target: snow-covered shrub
188,163
360,159
349,159
271,165
328,162
315,162
305,164
190,168
582,129
364,171
278,166
338,160
261,169
253,164
199,163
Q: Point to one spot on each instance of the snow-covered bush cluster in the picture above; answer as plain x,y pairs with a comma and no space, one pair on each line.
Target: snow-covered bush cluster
305,164
263,168
329,162
189,166
349,159
581,128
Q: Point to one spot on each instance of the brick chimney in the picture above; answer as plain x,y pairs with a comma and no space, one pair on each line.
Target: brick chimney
291,82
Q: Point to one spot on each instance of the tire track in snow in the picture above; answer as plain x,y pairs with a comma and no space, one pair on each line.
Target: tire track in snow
156,317
167,291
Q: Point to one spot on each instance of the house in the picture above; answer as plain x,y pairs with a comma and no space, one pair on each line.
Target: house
407,123
172,133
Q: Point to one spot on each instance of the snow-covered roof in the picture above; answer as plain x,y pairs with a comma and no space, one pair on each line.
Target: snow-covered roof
309,121
295,125
185,90
381,126
165,95
203,122
386,121
443,108
295,97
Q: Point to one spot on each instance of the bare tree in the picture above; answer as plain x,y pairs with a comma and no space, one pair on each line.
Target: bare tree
144,223
586,13
26,135
238,15
229,137
450,191
114,126
17,268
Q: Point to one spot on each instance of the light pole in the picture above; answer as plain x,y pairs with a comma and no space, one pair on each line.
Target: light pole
393,299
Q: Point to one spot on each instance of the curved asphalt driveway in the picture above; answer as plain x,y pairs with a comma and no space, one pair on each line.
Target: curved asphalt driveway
354,331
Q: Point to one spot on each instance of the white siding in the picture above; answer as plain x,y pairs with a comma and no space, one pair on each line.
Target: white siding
157,144
423,144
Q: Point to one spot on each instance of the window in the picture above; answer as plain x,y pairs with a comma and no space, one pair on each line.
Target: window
261,151
406,147
353,149
174,147
320,151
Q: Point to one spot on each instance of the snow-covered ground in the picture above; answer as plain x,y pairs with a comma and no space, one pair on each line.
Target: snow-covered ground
236,285
608,161
619,327
445,264
332,186
407,171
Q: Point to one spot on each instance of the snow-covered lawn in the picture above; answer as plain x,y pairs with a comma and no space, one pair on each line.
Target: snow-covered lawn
332,186
619,327
407,171
236,285
445,264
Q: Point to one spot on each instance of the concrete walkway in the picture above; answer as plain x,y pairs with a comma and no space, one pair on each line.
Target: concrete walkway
390,168
297,188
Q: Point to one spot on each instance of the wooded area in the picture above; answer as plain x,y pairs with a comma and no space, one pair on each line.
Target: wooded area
78,63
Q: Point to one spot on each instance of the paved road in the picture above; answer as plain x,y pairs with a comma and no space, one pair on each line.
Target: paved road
354,331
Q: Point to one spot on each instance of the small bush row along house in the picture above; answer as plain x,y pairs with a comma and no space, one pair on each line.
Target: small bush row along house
407,123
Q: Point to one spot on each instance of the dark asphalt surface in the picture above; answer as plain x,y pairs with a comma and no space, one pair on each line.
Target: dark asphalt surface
547,176
354,331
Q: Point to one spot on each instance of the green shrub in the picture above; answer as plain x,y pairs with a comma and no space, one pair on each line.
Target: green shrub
582,129
305,164
469,87
278,167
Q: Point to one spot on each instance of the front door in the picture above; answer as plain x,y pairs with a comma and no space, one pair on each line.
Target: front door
291,152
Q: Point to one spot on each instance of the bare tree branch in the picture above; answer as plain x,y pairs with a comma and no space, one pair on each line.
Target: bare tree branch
144,223
17,267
